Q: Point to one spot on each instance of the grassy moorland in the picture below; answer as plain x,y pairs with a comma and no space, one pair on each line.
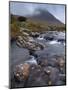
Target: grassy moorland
16,22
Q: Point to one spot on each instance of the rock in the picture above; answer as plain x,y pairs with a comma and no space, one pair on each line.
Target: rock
29,43
49,38
53,73
61,40
37,77
47,60
60,64
42,61
30,39
62,77
26,34
24,30
60,61
34,34
52,61
21,72
20,38
32,46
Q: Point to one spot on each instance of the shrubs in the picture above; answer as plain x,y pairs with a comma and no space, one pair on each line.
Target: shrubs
19,21
15,30
21,18
15,25
12,19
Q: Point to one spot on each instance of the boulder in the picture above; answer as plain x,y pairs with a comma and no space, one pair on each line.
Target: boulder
49,38
37,77
34,34
29,43
42,61
53,73
52,62
60,61
21,72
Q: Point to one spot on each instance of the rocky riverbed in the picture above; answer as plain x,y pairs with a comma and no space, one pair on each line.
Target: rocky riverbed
38,60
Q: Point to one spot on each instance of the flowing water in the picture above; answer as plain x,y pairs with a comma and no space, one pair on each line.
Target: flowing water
52,47
19,55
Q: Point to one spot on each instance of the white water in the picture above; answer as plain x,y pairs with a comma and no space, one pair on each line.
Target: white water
54,42
32,60
61,35
40,38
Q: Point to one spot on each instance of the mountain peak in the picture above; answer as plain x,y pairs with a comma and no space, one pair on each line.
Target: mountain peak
44,16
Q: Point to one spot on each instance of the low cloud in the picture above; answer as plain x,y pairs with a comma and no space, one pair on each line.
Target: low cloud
26,9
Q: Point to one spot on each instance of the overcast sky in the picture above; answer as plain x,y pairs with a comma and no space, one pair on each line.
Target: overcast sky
25,9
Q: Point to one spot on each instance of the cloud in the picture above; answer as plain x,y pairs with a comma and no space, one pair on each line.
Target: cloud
31,8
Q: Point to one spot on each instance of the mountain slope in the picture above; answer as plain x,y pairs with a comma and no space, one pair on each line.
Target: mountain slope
44,16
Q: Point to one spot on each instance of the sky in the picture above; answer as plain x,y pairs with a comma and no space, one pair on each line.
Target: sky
26,9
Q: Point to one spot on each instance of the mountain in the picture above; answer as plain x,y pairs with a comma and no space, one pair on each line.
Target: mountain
44,16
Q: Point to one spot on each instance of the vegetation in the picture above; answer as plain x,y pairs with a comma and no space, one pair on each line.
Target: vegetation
14,30
21,19
17,22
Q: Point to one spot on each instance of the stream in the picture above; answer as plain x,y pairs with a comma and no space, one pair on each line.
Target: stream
53,47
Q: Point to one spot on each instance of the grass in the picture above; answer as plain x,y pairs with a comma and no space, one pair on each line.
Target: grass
33,26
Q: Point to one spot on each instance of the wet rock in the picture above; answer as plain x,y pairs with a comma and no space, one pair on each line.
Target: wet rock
42,61
29,43
34,34
62,77
52,62
49,38
21,72
53,73
61,40
37,77
61,63
24,30
47,60
32,52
